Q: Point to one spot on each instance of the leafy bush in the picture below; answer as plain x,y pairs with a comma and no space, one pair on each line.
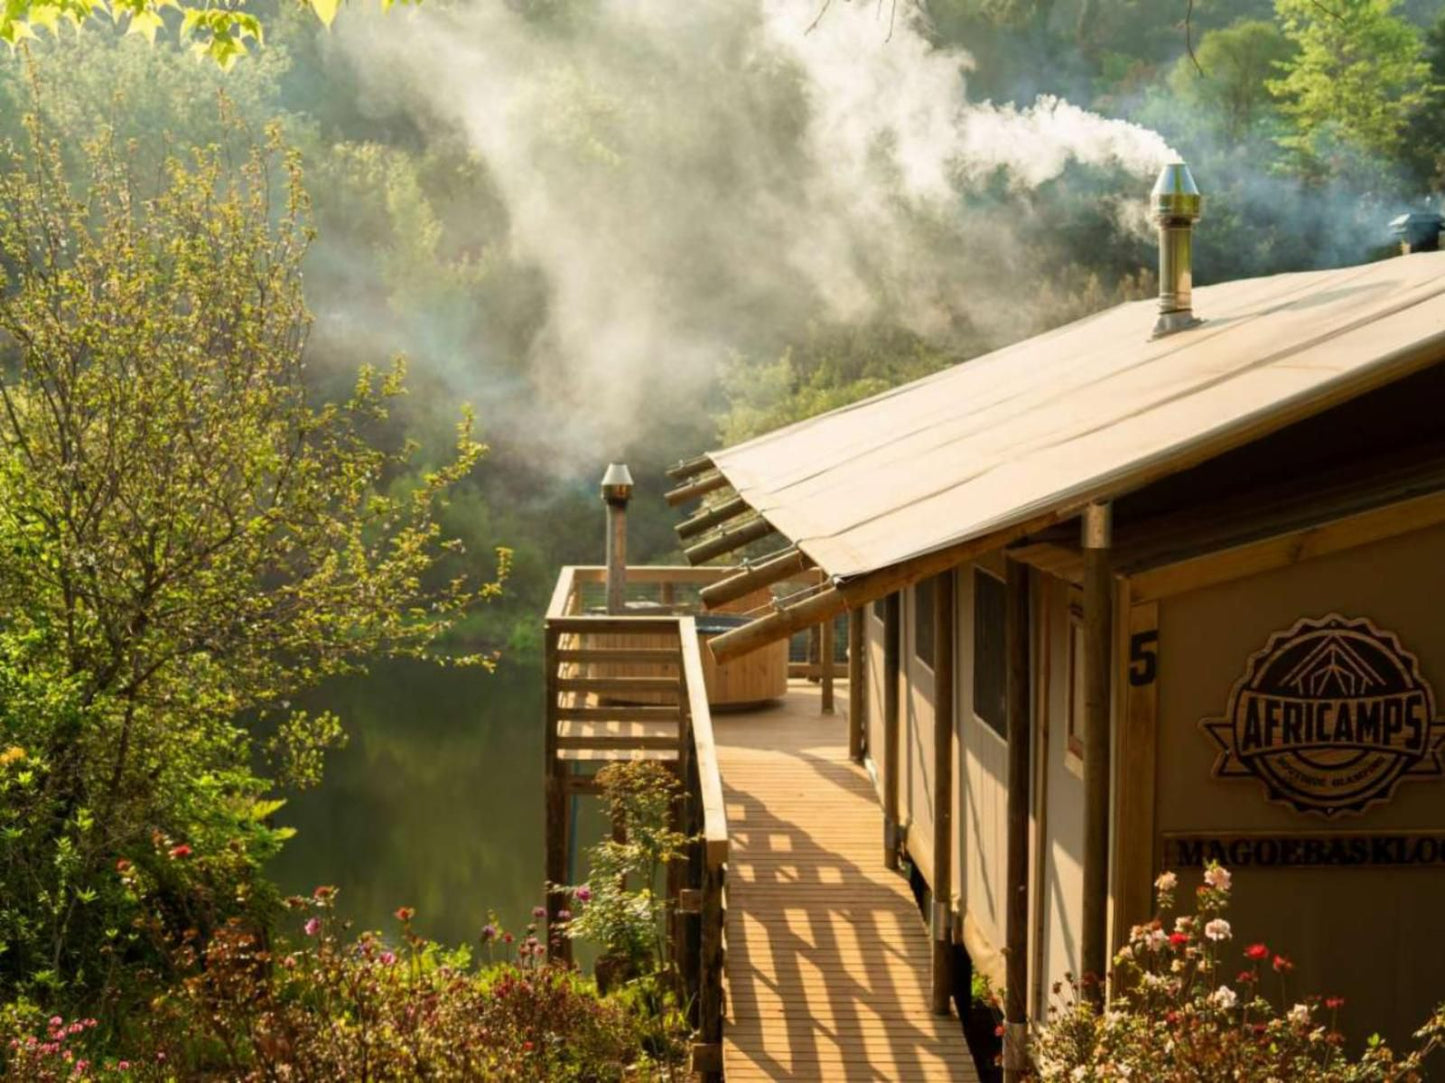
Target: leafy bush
186,540
1178,1013
364,1009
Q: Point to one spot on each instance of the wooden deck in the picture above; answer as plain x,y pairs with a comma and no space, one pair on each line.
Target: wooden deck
827,956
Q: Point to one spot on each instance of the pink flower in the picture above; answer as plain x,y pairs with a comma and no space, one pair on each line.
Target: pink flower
1283,965
313,926
583,894
489,933
564,915
124,1065
387,958
55,1020
539,912
405,914
1334,1003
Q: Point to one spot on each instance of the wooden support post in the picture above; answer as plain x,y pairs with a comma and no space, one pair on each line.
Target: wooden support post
763,573
710,996
686,468
825,662
892,659
1020,728
943,698
857,684
707,483
558,807
711,517
751,531
1098,671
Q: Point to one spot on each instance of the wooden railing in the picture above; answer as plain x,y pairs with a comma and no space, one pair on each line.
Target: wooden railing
632,687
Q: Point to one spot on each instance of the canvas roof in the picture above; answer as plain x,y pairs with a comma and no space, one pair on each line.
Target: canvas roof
1088,411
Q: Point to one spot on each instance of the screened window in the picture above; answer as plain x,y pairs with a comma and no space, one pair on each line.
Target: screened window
924,598
990,667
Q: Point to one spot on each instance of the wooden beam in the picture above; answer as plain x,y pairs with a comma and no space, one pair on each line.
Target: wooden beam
728,540
1098,670
639,656
892,663
1019,727
708,483
687,468
943,725
764,573
857,684
776,625
711,517
825,663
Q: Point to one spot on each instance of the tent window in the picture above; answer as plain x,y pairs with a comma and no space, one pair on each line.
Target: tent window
924,595
990,669
1075,727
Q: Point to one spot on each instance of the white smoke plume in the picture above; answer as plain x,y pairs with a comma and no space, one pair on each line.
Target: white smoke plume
698,178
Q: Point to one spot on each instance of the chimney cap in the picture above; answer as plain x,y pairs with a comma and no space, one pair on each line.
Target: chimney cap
617,484
1418,231
1175,194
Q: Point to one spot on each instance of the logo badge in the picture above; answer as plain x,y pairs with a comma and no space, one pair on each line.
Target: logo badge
1331,716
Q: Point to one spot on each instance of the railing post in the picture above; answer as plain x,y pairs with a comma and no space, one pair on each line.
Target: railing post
711,994
825,660
892,661
557,812
941,923
857,684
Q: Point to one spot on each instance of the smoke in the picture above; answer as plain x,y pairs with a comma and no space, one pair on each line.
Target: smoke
695,180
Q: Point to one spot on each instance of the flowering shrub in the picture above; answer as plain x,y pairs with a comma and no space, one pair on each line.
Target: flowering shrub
362,1009
1189,1003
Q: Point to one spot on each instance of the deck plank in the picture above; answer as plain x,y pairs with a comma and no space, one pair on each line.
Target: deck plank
827,957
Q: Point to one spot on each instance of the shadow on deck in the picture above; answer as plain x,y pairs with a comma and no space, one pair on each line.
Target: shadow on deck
827,960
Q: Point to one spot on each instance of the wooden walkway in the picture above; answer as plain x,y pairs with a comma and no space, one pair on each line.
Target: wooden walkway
827,956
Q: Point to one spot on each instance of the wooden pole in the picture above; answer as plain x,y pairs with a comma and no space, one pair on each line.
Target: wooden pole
762,574
943,698
711,517
1098,665
751,531
857,684
1020,728
892,649
686,468
557,811
708,483
783,622
825,662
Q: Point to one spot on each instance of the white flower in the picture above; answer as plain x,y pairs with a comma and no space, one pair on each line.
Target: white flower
1300,1013
1217,877
1218,929
1183,923
1167,882
1158,939
1224,997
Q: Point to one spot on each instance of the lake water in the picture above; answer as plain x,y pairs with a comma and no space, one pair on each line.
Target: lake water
435,803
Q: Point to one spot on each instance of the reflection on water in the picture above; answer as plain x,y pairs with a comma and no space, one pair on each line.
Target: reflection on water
435,803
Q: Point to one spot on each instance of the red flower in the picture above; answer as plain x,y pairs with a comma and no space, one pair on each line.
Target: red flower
180,851
1178,939
1283,965
527,1047
121,865
1256,951
1334,1003
1246,977
405,913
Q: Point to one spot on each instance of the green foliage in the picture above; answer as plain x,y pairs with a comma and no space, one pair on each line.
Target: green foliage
1229,86
621,910
186,540
245,1007
1352,86
1188,1003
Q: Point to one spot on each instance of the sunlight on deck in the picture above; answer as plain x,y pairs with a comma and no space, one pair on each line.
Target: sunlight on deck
827,964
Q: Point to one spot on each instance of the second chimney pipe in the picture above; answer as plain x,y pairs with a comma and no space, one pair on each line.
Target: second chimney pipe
1176,202
616,492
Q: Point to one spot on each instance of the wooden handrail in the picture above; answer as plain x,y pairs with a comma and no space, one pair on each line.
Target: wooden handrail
701,879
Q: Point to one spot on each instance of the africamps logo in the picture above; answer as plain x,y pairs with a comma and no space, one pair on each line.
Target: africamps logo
1331,715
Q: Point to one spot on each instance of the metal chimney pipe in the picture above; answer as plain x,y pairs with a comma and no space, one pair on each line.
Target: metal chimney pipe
616,492
1418,231
1177,203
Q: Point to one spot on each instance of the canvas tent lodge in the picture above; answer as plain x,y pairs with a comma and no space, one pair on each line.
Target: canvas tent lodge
1159,587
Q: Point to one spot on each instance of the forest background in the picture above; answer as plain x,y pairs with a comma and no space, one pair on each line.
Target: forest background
625,232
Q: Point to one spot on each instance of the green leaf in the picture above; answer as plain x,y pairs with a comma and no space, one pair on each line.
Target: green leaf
325,10
145,23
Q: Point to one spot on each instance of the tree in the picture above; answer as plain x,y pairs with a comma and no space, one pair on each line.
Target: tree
1351,88
186,540
1228,84
224,34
